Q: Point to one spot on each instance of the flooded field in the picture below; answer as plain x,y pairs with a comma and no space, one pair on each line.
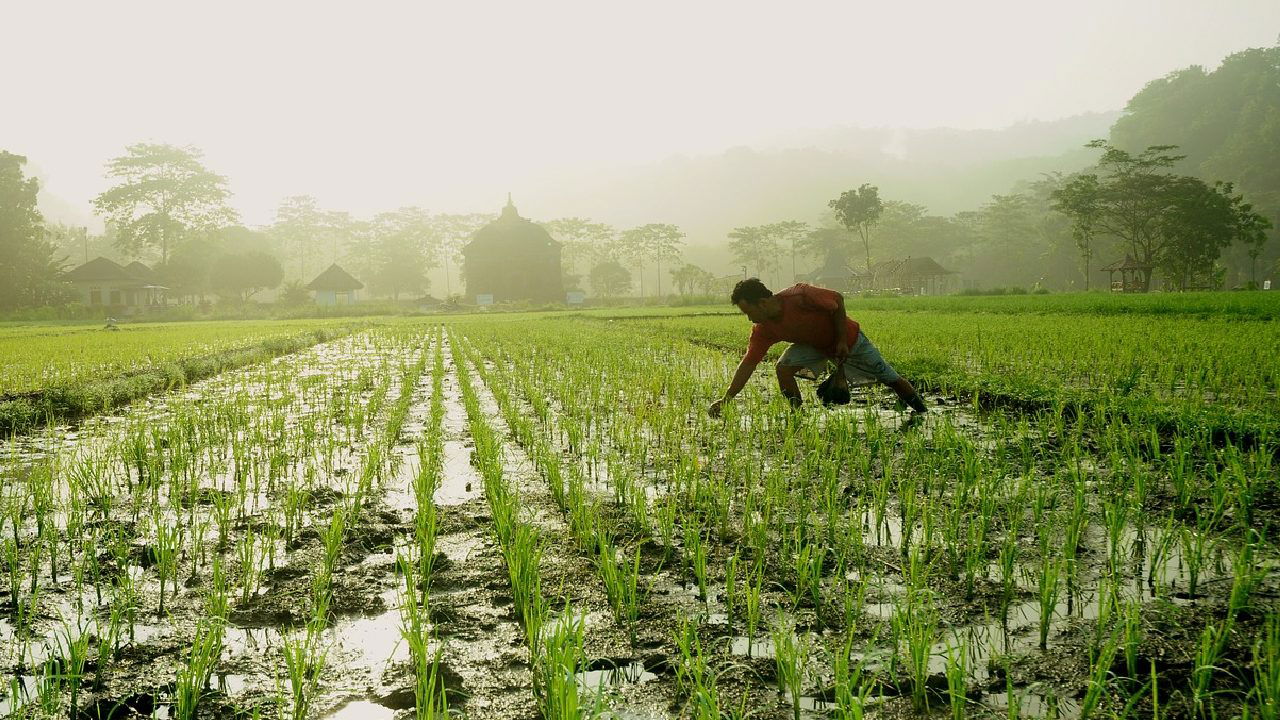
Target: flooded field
522,518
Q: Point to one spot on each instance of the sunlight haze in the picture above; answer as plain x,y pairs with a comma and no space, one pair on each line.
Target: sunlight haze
450,106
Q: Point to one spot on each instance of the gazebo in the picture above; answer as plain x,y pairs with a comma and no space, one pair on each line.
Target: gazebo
1134,276
513,258
335,286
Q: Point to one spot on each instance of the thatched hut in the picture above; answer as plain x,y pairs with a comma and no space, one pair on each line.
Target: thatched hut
335,286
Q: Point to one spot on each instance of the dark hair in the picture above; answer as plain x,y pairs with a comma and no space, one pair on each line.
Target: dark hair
751,290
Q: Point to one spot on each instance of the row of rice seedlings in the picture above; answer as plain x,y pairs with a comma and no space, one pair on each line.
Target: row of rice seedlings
555,653
619,574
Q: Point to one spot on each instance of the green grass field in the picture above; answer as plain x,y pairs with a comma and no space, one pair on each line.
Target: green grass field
34,356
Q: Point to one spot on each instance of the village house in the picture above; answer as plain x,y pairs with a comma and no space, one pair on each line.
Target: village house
121,289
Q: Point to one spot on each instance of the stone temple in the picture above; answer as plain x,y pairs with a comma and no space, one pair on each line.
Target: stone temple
513,259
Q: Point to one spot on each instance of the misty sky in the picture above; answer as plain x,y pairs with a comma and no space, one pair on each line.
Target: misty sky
374,105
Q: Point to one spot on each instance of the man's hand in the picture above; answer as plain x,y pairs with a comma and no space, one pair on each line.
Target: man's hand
842,348
714,410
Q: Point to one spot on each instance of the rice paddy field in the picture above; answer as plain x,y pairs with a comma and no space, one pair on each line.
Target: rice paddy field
525,516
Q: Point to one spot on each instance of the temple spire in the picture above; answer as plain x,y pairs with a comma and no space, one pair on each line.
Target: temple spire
510,210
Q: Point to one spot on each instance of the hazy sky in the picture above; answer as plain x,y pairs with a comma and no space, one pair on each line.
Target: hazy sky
375,105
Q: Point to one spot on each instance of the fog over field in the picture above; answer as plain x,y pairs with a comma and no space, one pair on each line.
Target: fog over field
576,106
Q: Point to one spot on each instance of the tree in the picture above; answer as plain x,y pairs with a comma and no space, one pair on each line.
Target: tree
406,246
858,211
1251,231
452,232
1078,199
689,278
242,275
754,246
165,193
610,279
1202,221
822,242
580,239
1227,122
30,268
654,241
789,233
1131,198
300,225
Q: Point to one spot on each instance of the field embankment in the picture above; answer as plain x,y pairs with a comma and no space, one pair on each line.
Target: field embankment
53,373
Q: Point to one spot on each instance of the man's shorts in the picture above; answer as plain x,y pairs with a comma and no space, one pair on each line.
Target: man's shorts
863,366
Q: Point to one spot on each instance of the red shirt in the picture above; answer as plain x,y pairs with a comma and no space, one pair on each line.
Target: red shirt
805,319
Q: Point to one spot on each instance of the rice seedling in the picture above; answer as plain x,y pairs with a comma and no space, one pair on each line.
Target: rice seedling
192,679
1265,695
1049,590
957,672
73,650
915,626
304,659
1100,674
558,666
791,658
1213,640
850,689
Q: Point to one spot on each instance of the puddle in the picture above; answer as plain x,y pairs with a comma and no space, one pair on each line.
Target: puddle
1035,703
361,710
612,674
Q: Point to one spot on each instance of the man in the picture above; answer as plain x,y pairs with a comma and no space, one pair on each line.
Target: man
813,319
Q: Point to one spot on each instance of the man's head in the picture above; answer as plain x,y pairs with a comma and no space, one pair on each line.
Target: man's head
752,298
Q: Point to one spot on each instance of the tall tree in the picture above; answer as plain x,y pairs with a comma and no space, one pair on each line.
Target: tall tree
688,278
452,232
580,239
653,241
1078,198
300,225
1132,196
29,266
164,194
754,246
789,233
406,247
859,211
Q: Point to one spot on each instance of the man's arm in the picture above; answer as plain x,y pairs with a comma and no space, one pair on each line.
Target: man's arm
841,320
740,378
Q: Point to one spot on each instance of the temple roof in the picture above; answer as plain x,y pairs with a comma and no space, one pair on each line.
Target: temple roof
507,229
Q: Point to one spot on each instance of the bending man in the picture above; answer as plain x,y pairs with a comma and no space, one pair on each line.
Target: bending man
813,319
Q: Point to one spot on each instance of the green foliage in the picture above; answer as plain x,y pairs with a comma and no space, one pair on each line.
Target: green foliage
165,195
244,274
405,245
610,279
859,211
1227,123
30,269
